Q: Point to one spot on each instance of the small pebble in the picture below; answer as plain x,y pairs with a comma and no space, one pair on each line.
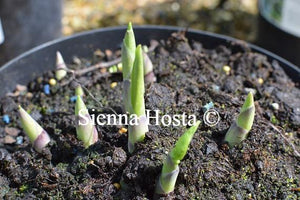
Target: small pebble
19,140
50,110
119,157
289,134
211,148
113,69
110,70
52,81
88,64
208,106
29,95
113,84
91,162
73,99
117,185
21,88
108,160
216,88
226,69
275,106
260,81
99,53
12,131
6,119
103,70
120,66
9,139
122,130
47,89
76,60
7,105
4,154
39,79
108,53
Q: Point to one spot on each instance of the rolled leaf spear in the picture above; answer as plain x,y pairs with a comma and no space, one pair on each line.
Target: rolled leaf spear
170,170
238,131
148,69
79,90
128,55
86,130
37,135
61,68
137,90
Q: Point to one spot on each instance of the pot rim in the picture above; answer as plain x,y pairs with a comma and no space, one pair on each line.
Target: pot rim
40,59
162,27
274,23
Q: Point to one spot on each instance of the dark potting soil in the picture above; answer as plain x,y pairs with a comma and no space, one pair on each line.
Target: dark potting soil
264,166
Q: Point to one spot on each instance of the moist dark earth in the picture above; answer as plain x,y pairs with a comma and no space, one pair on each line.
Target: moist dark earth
189,76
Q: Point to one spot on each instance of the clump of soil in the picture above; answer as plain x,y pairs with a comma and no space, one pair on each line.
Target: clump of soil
264,166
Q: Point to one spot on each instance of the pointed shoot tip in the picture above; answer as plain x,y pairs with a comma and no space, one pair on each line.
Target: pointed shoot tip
129,27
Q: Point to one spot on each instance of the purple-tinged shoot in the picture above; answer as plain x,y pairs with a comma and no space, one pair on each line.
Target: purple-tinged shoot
61,68
36,134
148,69
240,128
85,128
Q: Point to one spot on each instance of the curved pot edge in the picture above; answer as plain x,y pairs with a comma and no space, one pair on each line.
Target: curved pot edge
175,28
42,58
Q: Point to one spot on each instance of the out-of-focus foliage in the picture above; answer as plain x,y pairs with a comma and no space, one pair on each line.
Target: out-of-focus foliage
236,18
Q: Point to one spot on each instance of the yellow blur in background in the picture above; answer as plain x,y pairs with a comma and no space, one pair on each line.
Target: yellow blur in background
236,18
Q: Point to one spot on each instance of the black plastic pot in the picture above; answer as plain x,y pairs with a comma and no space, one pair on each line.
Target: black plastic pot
42,58
28,23
278,40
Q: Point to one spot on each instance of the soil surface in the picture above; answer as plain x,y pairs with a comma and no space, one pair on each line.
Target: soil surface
264,166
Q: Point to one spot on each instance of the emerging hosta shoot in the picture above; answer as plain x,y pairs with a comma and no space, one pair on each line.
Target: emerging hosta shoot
79,91
148,69
37,135
137,90
61,68
86,131
170,170
238,131
128,54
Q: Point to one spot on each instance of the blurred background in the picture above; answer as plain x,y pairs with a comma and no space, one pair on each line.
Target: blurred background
236,18
27,23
